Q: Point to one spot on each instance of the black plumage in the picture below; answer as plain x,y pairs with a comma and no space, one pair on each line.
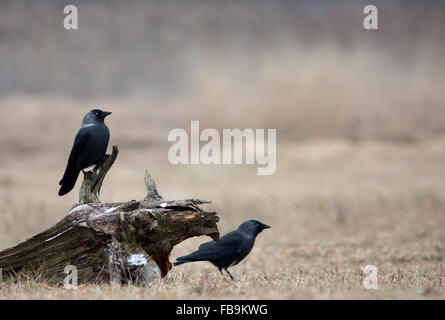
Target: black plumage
89,148
230,250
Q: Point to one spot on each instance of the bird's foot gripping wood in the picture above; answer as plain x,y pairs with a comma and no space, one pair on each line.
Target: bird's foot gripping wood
93,179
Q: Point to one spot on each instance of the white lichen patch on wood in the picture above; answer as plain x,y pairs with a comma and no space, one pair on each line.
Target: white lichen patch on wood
59,234
110,210
83,224
147,210
136,259
80,207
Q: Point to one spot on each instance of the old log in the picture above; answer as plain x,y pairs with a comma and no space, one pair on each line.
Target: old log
124,242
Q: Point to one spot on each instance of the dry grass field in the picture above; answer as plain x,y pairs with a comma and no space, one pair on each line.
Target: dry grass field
334,207
360,121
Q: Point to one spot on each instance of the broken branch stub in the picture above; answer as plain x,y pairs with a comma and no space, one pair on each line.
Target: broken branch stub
152,191
93,179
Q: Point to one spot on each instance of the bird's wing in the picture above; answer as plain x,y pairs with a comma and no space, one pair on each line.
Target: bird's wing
226,247
79,143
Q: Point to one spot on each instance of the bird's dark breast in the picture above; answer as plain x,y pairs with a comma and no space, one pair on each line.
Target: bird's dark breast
225,263
95,147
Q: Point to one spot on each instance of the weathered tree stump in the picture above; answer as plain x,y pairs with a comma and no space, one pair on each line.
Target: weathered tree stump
111,242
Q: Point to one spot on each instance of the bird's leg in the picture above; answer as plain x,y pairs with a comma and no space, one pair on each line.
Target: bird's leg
220,270
231,277
222,273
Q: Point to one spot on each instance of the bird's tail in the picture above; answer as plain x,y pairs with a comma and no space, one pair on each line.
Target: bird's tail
182,260
68,181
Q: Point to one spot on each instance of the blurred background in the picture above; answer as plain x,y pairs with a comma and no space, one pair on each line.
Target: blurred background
360,119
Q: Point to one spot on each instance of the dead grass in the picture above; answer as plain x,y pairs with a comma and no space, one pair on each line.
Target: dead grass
334,206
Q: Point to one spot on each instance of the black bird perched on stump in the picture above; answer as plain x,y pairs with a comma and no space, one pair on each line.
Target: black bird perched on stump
89,148
230,250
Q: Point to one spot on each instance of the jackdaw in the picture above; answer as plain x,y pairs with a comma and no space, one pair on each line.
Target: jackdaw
230,250
89,148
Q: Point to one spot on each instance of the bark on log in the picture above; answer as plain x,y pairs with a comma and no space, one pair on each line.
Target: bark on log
111,242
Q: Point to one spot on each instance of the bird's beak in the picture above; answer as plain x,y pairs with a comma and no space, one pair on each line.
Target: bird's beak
265,226
106,113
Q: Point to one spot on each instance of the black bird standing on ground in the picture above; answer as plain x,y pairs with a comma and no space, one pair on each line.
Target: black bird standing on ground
89,148
230,250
